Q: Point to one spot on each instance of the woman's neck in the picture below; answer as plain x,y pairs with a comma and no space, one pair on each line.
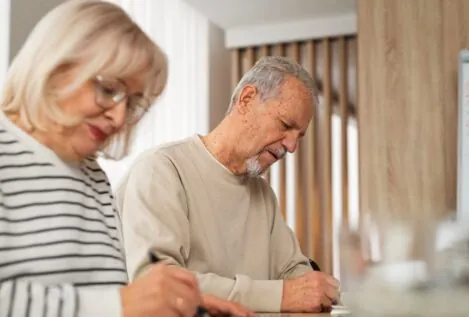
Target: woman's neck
52,139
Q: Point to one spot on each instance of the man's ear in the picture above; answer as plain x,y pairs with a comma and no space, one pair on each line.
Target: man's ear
246,97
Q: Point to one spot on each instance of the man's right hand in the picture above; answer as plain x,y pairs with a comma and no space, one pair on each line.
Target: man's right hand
310,292
164,291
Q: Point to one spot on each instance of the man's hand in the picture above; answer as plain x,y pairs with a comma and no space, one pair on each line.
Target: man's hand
310,292
221,307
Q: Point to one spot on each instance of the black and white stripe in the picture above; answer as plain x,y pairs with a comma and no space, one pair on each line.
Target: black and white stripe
59,230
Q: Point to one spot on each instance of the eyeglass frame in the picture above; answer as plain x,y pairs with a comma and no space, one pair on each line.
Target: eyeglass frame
121,94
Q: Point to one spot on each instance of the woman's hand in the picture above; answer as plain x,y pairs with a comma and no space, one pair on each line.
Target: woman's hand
164,291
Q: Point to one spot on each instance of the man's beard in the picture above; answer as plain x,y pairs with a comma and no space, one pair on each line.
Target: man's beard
254,167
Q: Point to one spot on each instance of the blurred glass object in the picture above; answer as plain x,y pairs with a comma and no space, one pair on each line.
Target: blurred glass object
409,268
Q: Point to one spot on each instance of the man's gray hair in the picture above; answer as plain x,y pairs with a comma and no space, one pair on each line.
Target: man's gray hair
268,75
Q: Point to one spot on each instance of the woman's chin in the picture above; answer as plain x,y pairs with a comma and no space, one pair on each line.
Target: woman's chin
88,151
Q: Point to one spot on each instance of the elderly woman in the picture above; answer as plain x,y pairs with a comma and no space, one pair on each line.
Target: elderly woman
83,79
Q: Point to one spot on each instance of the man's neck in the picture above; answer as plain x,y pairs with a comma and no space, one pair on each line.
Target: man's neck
221,143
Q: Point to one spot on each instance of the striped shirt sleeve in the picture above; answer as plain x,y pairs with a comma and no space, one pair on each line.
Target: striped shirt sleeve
28,299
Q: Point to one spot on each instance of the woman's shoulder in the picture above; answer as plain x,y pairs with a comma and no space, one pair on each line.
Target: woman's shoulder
92,165
7,135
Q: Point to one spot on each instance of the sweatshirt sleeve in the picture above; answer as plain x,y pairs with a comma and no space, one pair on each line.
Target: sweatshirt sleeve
29,299
155,217
287,259
258,295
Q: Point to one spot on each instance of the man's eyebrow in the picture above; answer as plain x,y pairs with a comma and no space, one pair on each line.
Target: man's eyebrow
138,94
297,127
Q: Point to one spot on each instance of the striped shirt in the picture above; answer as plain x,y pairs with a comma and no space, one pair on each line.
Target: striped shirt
61,252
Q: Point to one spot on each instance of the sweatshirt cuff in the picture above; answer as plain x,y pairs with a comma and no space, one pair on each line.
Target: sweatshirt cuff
265,296
99,302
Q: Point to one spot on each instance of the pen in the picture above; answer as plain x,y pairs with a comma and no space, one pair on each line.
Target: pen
202,312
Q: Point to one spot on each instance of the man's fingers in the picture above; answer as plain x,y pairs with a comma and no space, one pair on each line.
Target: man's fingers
326,302
332,293
332,281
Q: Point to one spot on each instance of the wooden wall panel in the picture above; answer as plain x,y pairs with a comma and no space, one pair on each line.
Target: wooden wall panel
344,116
300,223
313,190
235,67
408,105
326,151
279,50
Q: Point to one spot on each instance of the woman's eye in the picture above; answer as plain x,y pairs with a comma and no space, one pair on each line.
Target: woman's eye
109,91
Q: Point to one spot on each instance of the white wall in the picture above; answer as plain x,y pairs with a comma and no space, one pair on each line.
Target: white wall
299,30
4,38
24,16
17,19
219,82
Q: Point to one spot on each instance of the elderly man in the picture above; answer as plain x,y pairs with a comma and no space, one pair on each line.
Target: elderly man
201,204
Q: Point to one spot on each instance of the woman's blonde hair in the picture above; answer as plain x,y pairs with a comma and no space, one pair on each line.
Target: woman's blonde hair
95,35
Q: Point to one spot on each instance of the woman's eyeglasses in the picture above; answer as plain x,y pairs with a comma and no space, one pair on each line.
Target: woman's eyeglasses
109,92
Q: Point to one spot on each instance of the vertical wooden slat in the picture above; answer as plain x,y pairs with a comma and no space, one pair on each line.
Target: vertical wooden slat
327,157
343,102
264,51
300,230
248,59
235,67
313,196
278,50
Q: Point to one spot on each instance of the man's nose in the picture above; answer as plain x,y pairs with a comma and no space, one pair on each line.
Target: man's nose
290,143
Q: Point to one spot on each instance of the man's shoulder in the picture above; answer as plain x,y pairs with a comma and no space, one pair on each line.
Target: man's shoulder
165,152
170,148
157,159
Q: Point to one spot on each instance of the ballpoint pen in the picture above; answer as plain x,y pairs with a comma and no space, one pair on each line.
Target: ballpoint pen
201,312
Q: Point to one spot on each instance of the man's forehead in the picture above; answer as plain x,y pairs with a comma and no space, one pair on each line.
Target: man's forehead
294,91
296,103
296,94
292,83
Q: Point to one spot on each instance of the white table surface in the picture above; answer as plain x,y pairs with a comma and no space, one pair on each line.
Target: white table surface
335,313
